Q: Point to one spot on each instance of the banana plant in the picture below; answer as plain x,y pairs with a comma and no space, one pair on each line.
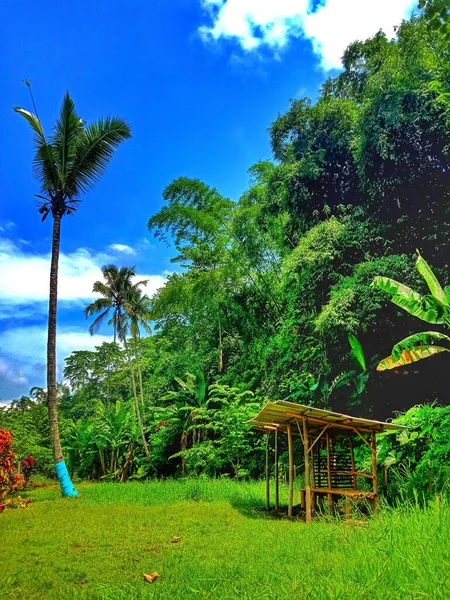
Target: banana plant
431,308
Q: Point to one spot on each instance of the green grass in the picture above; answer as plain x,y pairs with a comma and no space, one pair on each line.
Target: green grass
99,545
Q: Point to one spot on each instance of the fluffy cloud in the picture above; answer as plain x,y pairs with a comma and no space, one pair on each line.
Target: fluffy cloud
122,248
24,276
24,362
330,28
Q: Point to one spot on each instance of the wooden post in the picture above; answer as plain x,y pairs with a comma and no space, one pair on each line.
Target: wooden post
352,457
267,472
277,482
374,470
313,468
291,471
329,496
307,471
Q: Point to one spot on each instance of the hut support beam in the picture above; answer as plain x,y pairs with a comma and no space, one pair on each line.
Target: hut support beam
277,480
374,470
267,472
352,458
307,472
329,496
291,471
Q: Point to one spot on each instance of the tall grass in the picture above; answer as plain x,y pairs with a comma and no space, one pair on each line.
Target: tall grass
98,547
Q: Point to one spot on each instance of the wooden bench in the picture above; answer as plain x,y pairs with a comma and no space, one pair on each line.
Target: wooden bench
348,494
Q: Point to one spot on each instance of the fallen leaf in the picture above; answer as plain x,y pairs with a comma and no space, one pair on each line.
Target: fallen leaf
151,578
175,539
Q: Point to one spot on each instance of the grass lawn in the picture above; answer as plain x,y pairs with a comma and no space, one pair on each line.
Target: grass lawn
100,544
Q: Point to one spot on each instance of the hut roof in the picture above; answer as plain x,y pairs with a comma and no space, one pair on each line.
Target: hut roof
277,415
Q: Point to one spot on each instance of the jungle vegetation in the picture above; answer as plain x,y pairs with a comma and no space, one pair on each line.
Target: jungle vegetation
272,296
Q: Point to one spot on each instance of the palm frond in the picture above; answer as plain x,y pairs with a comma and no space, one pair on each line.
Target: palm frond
93,151
102,288
68,128
97,306
95,326
44,162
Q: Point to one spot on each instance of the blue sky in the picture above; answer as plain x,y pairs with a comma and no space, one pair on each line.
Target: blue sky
199,81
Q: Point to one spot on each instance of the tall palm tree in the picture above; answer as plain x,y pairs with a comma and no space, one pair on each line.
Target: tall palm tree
138,309
130,310
114,290
67,164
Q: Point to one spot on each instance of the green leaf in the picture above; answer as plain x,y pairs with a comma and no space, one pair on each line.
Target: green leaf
433,284
357,351
406,358
395,288
417,340
390,459
427,308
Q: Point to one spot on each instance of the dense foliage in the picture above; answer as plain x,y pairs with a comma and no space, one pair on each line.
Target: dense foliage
272,296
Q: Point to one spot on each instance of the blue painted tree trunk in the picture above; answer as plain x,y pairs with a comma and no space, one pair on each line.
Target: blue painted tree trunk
67,487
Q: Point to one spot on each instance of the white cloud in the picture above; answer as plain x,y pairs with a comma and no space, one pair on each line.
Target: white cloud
24,350
122,248
334,25
24,276
29,344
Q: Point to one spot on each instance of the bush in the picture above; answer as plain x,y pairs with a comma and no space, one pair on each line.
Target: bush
9,480
418,458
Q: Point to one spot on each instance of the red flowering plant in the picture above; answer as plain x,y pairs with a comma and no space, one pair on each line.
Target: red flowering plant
9,479
27,469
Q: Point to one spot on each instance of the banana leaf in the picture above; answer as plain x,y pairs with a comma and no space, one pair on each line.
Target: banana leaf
433,284
417,340
411,356
357,351
427,309
395,288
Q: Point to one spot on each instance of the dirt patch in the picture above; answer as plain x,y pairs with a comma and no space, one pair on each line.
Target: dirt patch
152,549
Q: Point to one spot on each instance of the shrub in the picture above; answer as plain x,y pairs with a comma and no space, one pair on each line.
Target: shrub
9,480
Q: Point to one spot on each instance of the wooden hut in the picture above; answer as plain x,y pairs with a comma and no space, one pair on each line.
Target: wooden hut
327,438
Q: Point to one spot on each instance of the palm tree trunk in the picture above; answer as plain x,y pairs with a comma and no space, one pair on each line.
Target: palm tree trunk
138,364
136,403
67,487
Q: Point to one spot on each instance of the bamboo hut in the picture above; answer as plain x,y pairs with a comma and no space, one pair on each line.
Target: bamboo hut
328,443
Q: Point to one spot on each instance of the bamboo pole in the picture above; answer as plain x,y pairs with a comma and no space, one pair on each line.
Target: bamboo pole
307,472
277,481
374,469
352,458
267,472
291,470
329,496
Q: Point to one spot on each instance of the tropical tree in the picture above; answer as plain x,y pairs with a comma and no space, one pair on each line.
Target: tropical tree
188,405
130,310
138,314
431,308
67,164
114,291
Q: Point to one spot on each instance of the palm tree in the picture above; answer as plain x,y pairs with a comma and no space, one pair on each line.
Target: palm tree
130,309
67,163
114,290
431,308
138,313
